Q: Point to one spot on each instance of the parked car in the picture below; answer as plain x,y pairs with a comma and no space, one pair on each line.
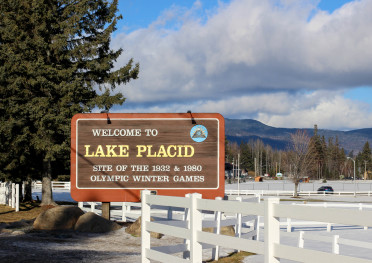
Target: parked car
325,189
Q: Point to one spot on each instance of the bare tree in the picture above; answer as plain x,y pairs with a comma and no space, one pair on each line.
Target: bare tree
300,157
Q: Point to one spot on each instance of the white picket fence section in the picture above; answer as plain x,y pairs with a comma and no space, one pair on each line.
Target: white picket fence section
9,194
270,210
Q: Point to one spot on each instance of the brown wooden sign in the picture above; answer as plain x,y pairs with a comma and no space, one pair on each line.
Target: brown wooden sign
115,155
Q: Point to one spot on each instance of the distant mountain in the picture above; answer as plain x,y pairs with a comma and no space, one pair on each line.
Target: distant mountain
279,138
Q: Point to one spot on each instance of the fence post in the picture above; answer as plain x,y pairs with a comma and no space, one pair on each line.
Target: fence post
8,193
186,217
335,245
17,198
145,217
238,226
13,195
301,240
196,226
258,221
289,224
329,227
123,212
217,230
170,213
92,207
272,230
81,205
23,188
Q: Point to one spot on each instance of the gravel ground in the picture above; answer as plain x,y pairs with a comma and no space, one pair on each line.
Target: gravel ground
23,244
68,246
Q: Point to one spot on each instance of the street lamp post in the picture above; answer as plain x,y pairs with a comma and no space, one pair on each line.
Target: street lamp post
354,173
238,164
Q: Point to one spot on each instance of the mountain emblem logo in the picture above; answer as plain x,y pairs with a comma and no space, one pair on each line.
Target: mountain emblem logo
199,133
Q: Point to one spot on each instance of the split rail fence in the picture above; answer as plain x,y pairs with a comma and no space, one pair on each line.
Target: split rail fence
271,210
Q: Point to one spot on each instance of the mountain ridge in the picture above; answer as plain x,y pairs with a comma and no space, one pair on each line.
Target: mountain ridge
244,130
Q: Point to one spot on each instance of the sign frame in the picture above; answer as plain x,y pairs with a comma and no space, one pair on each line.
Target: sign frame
103,194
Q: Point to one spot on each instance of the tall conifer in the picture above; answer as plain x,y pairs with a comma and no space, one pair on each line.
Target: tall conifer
55,61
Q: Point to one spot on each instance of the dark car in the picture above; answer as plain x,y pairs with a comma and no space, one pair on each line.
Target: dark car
325,189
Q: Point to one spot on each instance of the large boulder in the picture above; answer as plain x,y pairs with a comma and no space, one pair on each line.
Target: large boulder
92,223
135,229
58,218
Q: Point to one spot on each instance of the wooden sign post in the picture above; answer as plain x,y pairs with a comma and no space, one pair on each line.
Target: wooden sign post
114,156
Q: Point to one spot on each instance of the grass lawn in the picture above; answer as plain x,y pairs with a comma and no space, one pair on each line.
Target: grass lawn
27,211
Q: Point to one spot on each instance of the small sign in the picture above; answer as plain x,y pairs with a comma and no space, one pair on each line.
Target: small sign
115,155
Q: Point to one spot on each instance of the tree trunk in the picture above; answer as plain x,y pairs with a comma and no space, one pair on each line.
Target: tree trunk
28,190
296,188
46,192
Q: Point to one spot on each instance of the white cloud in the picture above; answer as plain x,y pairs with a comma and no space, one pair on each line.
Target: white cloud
327,109
250,55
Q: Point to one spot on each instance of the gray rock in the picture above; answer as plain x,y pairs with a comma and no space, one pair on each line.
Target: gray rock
135,229
58,218
92,223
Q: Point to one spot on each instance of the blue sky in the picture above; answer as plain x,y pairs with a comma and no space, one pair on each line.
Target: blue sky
285,63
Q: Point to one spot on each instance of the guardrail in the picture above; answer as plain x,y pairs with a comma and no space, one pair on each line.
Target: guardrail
271,248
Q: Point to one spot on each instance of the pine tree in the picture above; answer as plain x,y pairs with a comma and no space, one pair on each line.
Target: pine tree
55,61
364,158
246,159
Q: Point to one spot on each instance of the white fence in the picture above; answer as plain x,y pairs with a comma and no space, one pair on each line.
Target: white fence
125,211
9,195
288,185
271,248
55,185
335,240
292,193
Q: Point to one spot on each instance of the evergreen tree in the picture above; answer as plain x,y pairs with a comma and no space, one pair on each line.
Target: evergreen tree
246,160
55,61
364,158
316,143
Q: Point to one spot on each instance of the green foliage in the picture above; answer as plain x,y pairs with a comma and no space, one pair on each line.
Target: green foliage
364,159
55,61
329,159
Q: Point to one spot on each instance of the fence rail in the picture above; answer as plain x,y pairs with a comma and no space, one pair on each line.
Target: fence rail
271,248
292,193
55,185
